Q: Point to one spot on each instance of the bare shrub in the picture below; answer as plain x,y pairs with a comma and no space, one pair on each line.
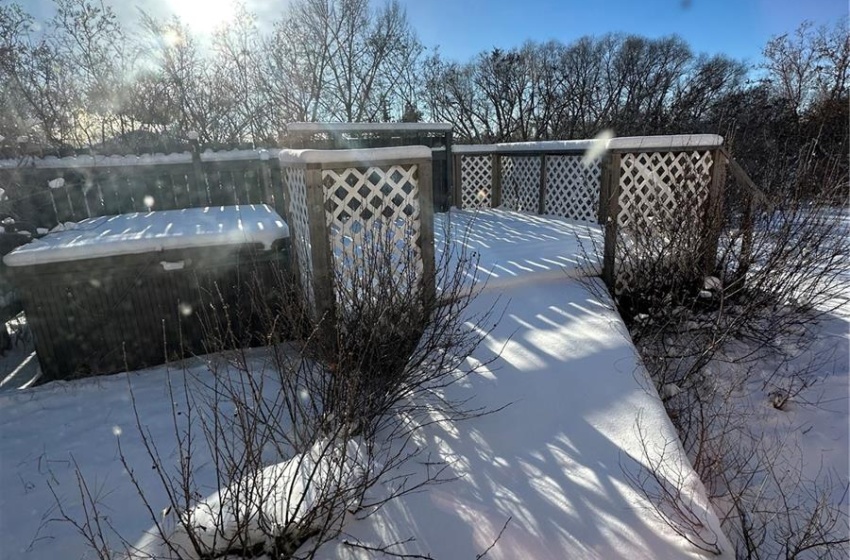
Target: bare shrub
275,447
711,337
662,476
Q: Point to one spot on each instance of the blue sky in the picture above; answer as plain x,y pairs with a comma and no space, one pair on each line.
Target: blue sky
739,28
463,28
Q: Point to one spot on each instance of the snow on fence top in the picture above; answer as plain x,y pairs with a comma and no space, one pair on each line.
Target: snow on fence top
547,146
367,155
53,162
674,142
150,232
314,128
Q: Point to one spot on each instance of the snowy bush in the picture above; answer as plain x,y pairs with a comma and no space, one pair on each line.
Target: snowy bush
724,348
309,430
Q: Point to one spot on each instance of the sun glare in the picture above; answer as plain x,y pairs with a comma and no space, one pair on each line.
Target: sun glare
203,16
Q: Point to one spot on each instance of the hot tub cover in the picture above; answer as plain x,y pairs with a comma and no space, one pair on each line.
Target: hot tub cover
148,232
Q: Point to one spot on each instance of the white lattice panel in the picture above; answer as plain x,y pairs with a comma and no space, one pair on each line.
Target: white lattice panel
572,188
476,180
660,187
299,228
373,220
521,183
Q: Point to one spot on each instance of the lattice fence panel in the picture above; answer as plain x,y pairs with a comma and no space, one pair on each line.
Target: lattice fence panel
521,183
660,187
373,220
572,188
299,226
476,179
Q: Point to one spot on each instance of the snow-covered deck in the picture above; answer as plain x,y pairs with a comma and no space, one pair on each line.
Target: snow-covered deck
554,461
512,246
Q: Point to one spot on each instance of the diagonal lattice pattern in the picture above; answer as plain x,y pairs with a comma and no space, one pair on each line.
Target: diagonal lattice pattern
521,182
572,188
661,187
373,220
476,179
664,185
299,226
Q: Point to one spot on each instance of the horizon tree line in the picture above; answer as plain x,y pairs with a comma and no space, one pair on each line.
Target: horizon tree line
86,80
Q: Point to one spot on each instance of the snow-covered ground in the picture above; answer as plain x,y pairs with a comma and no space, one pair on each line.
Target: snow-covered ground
555,464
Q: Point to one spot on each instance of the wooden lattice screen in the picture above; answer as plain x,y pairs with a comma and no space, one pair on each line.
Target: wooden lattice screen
342,204
299,226
572,187
664,187
375,208
634,180
476,179
553,183
521,182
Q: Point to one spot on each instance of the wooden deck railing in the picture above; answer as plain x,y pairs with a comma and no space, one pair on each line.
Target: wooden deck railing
610,182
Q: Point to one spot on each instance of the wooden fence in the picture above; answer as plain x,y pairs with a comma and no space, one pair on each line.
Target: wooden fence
340,204
40,193
615,183
610,183
346,136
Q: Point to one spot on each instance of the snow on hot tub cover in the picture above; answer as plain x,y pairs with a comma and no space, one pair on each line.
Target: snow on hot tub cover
148,232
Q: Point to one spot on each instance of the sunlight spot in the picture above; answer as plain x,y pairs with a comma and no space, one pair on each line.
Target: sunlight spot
203,16
172,37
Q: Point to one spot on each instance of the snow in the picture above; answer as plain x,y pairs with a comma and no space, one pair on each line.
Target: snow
315,127
238,155
621,143
661,142
550,146
366,155
293,487
556,461
154,231
512,246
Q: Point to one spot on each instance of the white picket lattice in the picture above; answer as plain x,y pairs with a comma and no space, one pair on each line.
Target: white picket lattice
373,213
572,188
299,227
476,179
521,183
661,187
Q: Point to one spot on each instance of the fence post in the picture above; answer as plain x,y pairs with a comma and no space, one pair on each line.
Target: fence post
266,178
426,229
612,205
199,194
541,201
320,250
448,170
496,188
602,210
457,189
714,211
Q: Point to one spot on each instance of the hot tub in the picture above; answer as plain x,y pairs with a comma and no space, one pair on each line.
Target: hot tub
123,292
